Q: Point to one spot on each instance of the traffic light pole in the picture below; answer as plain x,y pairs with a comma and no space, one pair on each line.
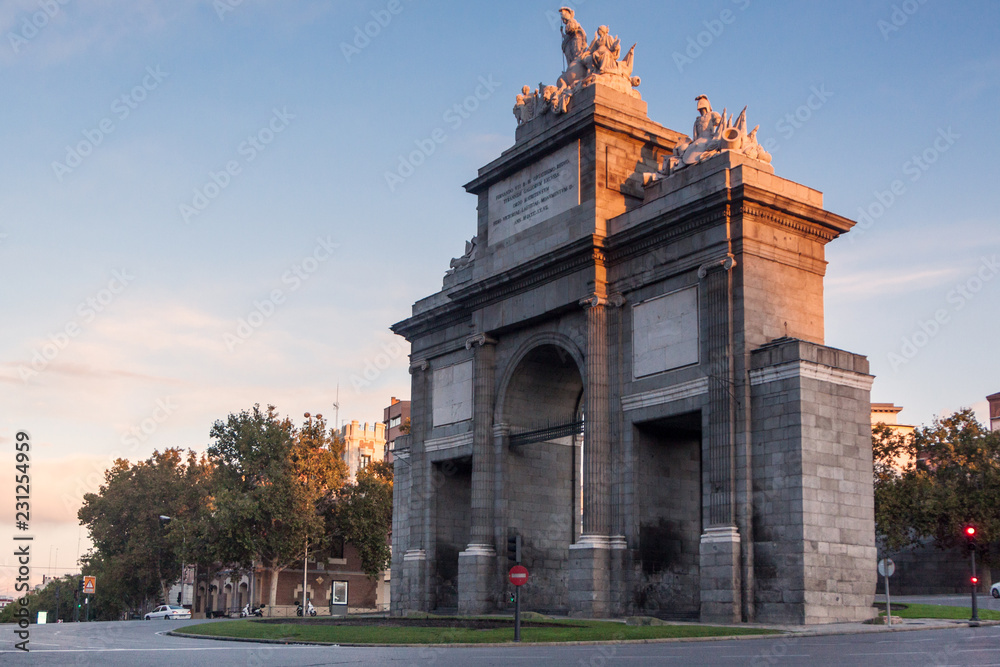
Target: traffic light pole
975,580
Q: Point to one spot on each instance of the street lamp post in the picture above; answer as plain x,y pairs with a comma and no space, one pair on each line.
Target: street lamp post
164,520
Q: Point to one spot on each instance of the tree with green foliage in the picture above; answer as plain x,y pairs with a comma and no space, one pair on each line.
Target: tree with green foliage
271,481
44,599
362,515
934,482
134,555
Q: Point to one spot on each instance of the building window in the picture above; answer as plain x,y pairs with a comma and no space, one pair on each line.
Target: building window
337,547
365,460
394,421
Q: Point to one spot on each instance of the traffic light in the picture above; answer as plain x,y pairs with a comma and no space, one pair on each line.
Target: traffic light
79,585
970,537
974,580
514,549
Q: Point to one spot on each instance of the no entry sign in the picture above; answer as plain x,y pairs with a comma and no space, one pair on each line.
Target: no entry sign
518,575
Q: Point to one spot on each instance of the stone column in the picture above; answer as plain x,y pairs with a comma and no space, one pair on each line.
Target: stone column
476,563
720,543
589,591
597,423
617,541
615,420
415,571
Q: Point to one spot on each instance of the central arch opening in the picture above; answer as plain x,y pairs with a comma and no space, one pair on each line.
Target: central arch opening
543,408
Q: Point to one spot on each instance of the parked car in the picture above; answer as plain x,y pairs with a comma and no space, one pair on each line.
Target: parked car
995,591
168,611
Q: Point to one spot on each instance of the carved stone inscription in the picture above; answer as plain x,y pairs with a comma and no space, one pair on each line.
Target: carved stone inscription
535,194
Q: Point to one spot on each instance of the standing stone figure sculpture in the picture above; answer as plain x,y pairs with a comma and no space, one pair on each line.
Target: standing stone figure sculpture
574,37
585,65
712,134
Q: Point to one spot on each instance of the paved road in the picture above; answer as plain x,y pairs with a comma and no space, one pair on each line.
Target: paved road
143,643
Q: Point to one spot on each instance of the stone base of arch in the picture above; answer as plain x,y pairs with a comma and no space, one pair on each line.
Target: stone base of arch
590,577
476,571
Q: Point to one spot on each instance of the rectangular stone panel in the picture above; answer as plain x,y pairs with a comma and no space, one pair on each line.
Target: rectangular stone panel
535,194
665,332
452,393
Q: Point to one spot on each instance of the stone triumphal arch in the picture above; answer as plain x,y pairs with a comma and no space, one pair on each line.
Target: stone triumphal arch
627,369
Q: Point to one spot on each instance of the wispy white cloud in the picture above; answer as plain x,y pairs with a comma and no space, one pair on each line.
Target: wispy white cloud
64,31
887,281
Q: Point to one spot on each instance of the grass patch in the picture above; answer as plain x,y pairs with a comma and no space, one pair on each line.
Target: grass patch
412,632
912,610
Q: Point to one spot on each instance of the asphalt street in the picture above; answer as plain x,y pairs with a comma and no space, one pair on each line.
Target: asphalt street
144,643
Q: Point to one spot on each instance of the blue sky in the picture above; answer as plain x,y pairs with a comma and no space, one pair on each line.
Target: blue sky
276,125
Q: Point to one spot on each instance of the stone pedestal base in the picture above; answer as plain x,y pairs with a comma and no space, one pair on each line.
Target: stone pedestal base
590,577
720,575
476,566
414,596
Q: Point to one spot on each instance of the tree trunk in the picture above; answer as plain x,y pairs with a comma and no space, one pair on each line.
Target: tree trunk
273,593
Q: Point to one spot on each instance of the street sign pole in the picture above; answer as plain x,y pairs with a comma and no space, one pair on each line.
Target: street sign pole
886,568
888,604
518,576
517,614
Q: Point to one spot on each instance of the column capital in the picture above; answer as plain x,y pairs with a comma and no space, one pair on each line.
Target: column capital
418,365
593,300
725,263
617,300
479,339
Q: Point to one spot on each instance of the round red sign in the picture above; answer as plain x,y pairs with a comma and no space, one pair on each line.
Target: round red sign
518,575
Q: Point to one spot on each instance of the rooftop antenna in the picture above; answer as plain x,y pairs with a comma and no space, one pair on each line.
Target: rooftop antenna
336,409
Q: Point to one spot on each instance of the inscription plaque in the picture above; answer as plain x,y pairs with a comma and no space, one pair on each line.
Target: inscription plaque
665,332
535,194
452,394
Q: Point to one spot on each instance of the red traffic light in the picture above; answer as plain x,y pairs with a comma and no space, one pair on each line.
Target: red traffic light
975,580
970,531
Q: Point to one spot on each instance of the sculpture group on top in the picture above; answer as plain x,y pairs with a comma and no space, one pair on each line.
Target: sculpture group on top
584,65
714,133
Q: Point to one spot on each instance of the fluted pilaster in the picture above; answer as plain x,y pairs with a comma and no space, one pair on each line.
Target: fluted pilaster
483,464
717,284
597,418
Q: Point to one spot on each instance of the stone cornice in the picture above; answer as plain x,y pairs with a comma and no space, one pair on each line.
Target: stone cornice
568,259
448,442
813,371
663,229
675,392
748,209
798,260
434,319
